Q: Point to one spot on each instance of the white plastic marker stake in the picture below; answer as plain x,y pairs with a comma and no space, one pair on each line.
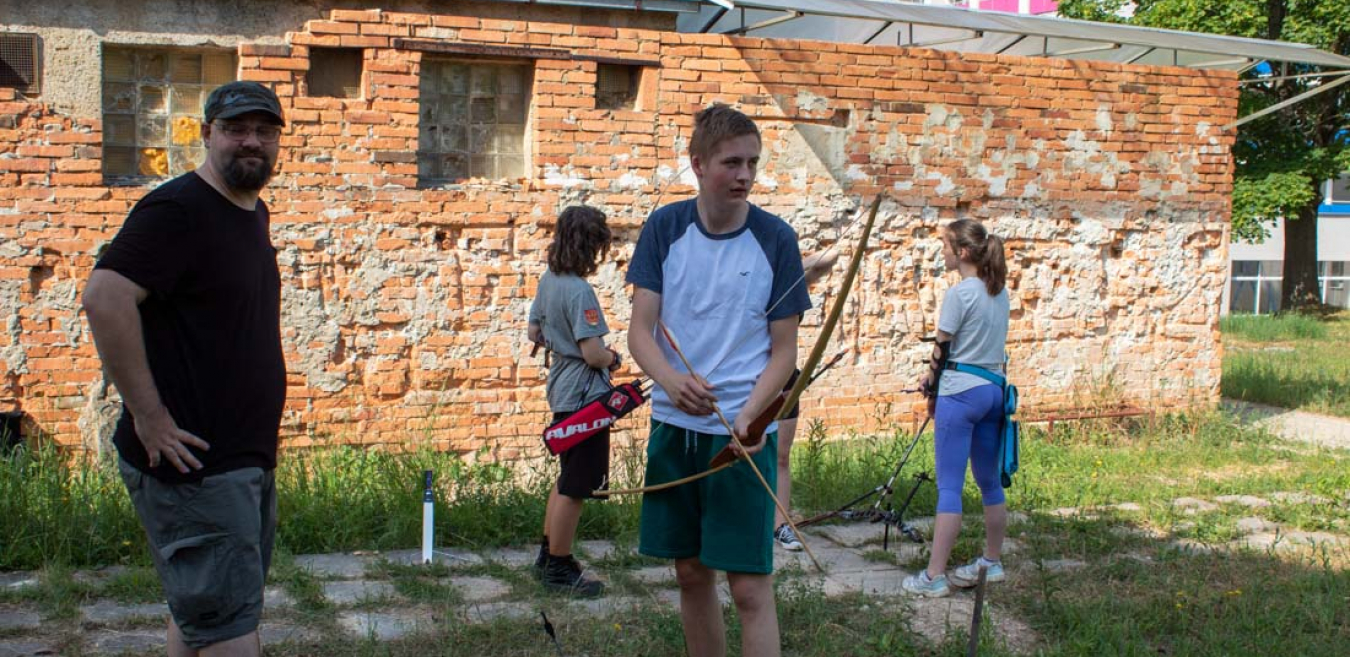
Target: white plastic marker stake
428,517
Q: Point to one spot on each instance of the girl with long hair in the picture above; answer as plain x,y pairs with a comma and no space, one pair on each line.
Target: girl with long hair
967,408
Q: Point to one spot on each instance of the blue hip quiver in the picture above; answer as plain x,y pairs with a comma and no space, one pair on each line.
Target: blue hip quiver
1009,433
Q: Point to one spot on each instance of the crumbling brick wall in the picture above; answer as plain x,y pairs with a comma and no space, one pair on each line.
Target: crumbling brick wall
404,307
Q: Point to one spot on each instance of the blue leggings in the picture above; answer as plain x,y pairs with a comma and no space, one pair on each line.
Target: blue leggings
967,430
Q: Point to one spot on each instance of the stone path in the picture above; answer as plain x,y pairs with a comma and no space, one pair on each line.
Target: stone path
368,604
1324,430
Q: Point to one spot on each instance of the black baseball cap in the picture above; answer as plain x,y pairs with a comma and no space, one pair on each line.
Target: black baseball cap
241,97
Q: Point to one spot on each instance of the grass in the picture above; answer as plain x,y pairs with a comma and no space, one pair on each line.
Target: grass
1156,580
1291,361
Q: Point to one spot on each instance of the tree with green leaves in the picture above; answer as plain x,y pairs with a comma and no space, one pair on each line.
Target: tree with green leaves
1284,158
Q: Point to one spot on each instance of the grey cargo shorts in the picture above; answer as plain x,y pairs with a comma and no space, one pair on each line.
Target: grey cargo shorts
211,542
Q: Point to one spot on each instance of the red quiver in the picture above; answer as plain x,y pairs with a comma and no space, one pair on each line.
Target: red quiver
593,416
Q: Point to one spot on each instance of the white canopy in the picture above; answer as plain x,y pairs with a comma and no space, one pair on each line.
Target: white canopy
965,30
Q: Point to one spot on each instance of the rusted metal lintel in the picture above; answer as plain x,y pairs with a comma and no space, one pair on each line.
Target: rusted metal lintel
512,52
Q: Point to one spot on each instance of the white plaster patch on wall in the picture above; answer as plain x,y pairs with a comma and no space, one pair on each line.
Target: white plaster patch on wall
1090,231
14,358
903,185
1104,119
1202,129
811,102
447,33
630,180
942,116
11,249
855,173
556,177
686,172
945,184
998,185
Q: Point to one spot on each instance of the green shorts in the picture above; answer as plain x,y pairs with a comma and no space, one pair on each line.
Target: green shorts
725,519
211,541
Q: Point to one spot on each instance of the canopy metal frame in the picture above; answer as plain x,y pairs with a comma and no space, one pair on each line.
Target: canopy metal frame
966,30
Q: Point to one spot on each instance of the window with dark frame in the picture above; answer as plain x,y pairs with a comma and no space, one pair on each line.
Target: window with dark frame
21,62
152,108
473,120
1340,190
334,72
616,86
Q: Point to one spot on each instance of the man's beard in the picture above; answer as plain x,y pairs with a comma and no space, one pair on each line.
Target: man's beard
238,176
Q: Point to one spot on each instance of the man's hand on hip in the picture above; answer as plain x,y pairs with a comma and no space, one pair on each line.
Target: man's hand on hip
162,439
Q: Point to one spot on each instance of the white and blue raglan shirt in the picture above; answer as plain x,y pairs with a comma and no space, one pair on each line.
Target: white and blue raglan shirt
718,295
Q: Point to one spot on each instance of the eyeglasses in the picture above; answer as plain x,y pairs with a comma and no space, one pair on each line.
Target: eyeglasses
267,134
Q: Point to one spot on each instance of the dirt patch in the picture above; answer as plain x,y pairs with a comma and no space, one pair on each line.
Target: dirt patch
935,618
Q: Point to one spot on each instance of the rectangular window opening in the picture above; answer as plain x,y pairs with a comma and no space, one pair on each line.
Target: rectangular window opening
617,86
152,109
21,62
335,72
473,119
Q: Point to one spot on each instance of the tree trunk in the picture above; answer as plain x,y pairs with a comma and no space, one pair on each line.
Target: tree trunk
1299,289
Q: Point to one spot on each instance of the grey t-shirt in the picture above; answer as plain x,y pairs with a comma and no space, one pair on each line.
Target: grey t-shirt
567,310
978,324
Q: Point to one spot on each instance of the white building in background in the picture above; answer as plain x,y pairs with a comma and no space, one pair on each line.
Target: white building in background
1256,270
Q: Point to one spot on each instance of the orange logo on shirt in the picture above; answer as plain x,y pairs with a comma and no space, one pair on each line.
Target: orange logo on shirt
593,316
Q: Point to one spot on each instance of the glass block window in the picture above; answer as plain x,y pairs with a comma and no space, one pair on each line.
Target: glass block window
152,108
616,86
473,118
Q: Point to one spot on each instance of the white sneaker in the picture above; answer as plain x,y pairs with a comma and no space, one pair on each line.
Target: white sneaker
969,575
922,585
787,539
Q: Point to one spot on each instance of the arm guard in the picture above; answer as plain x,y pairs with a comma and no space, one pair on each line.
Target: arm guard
936,365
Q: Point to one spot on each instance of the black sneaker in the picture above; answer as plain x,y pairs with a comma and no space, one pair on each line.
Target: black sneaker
563,574
541,561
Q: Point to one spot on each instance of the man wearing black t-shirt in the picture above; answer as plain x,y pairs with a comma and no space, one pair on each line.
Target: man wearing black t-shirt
185,311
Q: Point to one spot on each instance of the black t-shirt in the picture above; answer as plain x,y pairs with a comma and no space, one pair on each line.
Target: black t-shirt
211,324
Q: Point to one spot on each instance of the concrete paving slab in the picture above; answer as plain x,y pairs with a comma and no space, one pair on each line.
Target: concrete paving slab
1192,505
656,575
385,625
595,550
98,576
18,580
1291,539
112,642
26,648
480,589
18,618
490,611
276,598
602,606
853,534
348,592
276,633
336,566
107,612
449,556
515,557
1244,500
872,582
1323,430
1299,497
1255,525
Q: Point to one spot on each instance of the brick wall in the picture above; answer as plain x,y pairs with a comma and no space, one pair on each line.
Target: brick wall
404,308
